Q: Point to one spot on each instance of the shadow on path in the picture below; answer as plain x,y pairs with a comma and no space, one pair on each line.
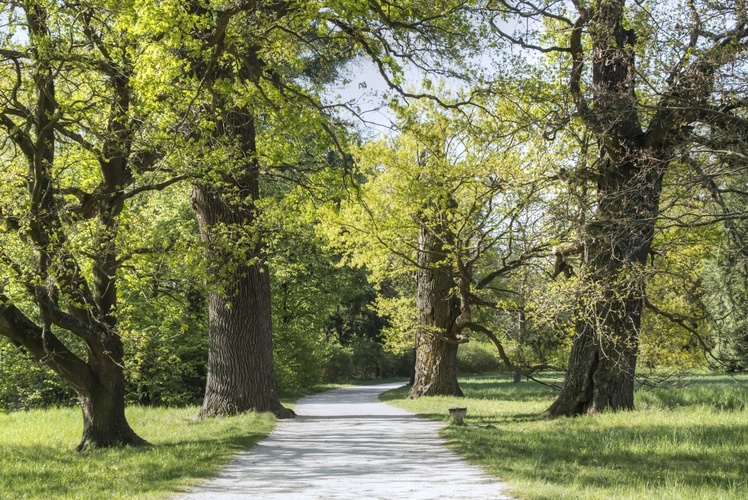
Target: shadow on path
347,444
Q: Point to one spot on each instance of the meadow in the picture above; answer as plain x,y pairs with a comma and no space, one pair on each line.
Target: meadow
38,457
688,441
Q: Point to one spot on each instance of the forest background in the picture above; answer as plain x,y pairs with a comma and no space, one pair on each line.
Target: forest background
553,172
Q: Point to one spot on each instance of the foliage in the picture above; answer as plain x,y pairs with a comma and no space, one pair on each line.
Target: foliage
460,177
150,83
683,442
339,363
726,300
477,357
25,384
317,303
365,359
163,308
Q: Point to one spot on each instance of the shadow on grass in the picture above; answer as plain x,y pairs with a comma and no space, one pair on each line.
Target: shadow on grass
686,442
156,471
697,457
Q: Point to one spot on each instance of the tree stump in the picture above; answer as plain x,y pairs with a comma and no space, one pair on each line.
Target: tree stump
458,415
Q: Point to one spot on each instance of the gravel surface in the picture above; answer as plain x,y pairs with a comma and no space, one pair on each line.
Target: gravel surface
346,444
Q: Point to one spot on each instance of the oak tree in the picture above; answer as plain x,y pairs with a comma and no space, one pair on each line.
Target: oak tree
74,156
642,78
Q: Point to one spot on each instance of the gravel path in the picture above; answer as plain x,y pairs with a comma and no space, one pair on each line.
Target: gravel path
346,444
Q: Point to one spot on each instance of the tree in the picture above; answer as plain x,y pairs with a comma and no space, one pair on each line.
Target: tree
642,97
437,335
74,155
254,67
444,202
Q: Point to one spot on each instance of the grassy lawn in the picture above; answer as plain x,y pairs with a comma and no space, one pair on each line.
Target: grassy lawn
38,457
689,442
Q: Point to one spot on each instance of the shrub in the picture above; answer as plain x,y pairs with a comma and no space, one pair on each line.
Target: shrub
166,365
25,384
299,356
339,365
477,357
365,359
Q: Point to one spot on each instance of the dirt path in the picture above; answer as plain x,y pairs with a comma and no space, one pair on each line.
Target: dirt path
346,444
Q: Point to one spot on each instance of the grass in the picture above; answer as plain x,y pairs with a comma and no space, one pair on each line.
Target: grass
686,442
681,443
38,457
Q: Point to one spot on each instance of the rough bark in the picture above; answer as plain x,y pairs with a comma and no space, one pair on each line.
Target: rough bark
99,384
241,373
602,363
438,308
103,405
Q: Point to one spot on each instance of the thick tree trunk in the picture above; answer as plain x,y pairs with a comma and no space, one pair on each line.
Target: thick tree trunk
436,343
602,364
99,385
618,239
600,375
241,373
436,368
103,405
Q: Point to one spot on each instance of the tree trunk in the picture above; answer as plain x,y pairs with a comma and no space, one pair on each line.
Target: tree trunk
617,240
241,373
438,308
602,363
103,405
99,385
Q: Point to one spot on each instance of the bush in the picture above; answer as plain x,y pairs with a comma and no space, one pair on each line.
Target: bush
299,356
364,359
477,357
166,365
371,361
339,365
25,384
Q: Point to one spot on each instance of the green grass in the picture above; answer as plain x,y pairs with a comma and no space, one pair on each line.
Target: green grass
38,457
688,442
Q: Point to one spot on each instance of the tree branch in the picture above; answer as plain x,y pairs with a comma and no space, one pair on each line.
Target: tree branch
42,344
155,187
